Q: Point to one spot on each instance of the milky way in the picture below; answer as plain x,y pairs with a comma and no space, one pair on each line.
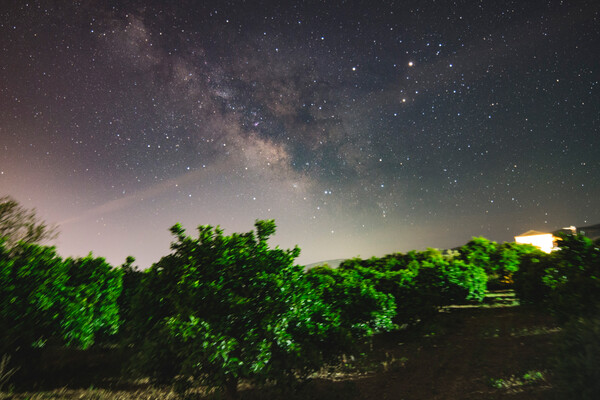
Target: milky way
362,128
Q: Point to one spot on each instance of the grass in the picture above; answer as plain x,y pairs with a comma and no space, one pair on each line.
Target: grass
528,378
498,350
6,372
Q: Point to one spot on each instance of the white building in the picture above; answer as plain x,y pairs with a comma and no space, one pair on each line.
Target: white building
542,240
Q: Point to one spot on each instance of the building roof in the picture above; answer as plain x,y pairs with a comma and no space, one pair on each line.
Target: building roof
533,233
591,231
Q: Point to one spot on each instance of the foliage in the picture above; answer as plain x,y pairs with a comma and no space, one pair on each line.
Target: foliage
567,281
529,378
359,306
30,295
43,298
223,308
20,225
92,289
131,283
500,261
505,262
528,284
577,369
454,280
400,284
574,277
508,255
421,282
479,251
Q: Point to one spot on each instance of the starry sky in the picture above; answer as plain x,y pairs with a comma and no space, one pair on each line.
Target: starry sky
361,127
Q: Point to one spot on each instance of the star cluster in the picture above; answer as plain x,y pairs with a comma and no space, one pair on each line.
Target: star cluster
361,127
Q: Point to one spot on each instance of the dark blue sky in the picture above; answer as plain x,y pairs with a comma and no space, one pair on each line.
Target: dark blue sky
363,128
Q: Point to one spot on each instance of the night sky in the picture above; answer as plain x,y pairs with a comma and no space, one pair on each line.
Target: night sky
362,128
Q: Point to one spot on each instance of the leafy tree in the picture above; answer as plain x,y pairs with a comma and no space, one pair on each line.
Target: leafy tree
400,283
31,294
421,282
45,299
92,289
479,251
528,284
505,262
361,308
574,277
567,281
132,280
445,280
223,308
20,225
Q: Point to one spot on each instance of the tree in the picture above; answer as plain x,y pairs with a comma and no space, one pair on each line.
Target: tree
223,308
132,280
44,299
92,289
361,308
479,251
20,225
506,261
31,293
574,278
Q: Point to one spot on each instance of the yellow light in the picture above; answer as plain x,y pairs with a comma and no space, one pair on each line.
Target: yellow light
544,241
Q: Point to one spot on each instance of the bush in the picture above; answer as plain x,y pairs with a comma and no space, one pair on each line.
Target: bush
506,261
45,299
566,281
452,279
132,279
361,308
93,288
479,251
573,278
31,296
224,308
421,282
528,280
396,276
578,363
463,282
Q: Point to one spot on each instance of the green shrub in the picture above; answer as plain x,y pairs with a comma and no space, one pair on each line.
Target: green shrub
45,299
31,295
463,282
528,280
421,282
398,282
566,281
362,308
505,262
224,308
577,369
574,278
93,288
132,279
479,251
